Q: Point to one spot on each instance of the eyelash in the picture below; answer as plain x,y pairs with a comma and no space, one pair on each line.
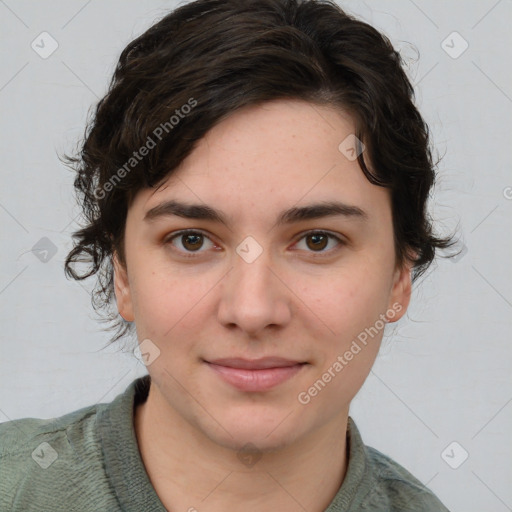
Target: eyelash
193,254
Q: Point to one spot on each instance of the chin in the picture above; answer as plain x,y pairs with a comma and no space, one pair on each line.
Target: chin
267,432
254,439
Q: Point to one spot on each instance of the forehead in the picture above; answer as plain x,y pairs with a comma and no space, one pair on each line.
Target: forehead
267,157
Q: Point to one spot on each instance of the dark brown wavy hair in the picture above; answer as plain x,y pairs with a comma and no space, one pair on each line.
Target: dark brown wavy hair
208,58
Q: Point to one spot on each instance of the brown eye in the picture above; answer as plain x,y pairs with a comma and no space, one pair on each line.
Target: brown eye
317,242
189,242
192,242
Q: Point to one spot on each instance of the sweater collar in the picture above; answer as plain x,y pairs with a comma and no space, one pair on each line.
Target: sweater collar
131,484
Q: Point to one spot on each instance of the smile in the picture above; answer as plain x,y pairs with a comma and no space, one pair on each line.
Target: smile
257,375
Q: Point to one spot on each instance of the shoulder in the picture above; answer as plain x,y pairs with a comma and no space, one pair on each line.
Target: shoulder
18,436
22,437
395,488
45,461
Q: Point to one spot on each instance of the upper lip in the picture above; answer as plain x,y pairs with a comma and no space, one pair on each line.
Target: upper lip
255,364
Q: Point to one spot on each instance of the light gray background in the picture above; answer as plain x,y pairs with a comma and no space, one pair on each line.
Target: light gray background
445,373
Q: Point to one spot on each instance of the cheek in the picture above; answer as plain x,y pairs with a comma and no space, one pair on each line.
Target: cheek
165,303
351,309
350,301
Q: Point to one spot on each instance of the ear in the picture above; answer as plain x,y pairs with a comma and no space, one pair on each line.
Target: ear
122,290
401,292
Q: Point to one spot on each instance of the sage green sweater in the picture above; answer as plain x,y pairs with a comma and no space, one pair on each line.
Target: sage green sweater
88,460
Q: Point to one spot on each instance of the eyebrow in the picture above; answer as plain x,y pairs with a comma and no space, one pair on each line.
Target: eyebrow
295,214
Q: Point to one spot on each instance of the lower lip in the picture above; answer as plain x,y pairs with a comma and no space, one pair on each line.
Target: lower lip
255,380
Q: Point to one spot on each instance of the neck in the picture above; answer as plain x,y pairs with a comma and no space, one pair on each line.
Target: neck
191,472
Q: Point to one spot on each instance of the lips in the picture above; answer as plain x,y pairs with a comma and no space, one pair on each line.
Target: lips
255,375
255,364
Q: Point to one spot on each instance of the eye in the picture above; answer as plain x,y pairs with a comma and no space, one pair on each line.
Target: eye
191,241
317,241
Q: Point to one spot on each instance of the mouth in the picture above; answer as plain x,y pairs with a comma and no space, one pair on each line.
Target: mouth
255,375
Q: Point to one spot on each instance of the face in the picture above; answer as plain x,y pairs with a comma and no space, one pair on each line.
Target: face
265,323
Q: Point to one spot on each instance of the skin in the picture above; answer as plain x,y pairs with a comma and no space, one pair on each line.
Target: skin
296,300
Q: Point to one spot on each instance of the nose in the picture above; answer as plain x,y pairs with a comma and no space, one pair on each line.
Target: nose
254,297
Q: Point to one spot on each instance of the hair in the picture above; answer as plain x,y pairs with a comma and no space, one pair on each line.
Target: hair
209,58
